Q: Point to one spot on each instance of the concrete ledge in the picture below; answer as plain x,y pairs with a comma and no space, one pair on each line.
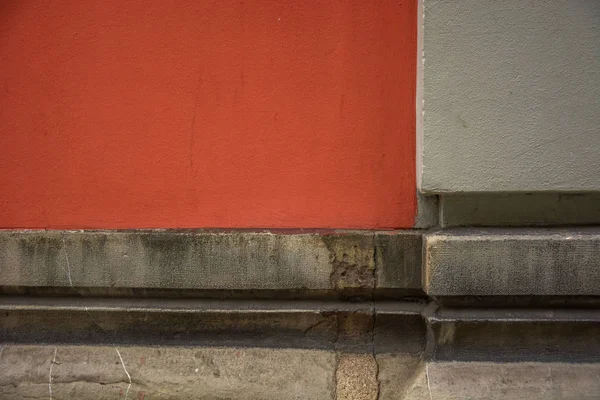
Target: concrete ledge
113,262
512,262
359,327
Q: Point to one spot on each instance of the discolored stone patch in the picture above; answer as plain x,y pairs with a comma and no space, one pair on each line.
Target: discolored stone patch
356,377
352,260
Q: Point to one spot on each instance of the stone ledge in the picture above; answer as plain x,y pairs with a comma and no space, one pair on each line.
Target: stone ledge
512,262
144,373
199,260
514,335
333,325
460,263
392,327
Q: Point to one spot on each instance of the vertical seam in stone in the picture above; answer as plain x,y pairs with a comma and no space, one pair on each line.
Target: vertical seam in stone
337,355
374,316
335,371
377,376
426,314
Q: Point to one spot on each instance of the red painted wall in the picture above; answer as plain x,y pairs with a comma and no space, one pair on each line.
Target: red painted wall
198,113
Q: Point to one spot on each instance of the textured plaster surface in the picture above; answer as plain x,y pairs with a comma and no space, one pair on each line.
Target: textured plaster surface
511,96
201,113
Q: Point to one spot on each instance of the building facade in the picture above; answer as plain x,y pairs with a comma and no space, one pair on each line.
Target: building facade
293,200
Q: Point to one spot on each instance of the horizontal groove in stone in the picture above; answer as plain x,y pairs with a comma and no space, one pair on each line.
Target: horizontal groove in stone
531,301
197,260
495,315
203,305
512,262
294,324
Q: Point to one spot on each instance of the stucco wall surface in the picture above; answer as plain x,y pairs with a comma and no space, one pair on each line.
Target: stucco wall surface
201,113
511,96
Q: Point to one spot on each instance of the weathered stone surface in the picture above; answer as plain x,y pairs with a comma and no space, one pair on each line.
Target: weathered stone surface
399,328
490,381
164,259
505,262
343,326
427,214
303,324
396,374
514,335
110,262
398,260
96,372
418,388
146,373
352,261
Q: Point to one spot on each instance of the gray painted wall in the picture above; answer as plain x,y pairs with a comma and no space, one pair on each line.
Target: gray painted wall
511,94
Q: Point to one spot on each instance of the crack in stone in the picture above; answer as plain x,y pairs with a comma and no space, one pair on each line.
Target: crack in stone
68,271
428,381
124,369
50,373
315,325
93,319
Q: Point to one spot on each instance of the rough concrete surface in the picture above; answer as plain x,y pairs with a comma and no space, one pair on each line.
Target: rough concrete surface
504,262
207,260
511,96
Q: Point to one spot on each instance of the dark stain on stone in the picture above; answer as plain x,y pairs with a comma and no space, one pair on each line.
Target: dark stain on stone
170,252
398,260
42,258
